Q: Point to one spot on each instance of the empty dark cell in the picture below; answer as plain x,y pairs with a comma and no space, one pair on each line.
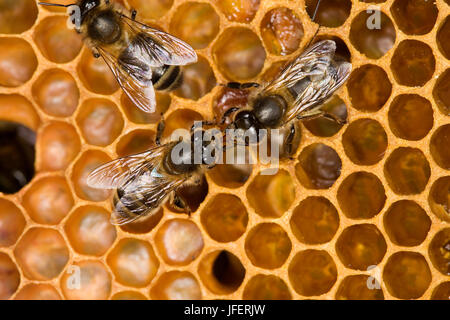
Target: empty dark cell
228,270
17,155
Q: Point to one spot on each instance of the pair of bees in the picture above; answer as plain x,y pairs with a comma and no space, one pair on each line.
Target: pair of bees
144,59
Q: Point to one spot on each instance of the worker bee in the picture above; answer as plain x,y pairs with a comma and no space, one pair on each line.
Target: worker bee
297,93
140,57
145,181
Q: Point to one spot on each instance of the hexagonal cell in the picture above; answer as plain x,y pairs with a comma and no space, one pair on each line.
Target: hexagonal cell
439,198
17,16
180,119
441,92
406,223
176,285
136,115
312,272
100,121
38,291
17,62
413,63
439,251
9,277
230,212
230,175
193,194
58,145
268,246
239,54
48,200
369,88
93,282
407,171
198,80
196,23
42,253
361,195
18,154
266,287
12,223
128,295
238,10
221,272
319,166
355,288
136,141
56,41
271,195
281,31
315,220
407,275
89,161
410,116
56,92
365,141
179,241
324,127
372,33
133,262
439,146
153,9
89,230
441,292
330,13
361,246
442,38
414,17
96,75
17,108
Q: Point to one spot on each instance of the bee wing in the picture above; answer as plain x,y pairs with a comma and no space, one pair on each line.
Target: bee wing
161,48
116,173
314,60
317,92
145,197
135,81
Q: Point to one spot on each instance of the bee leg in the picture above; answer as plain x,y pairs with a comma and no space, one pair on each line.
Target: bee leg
96,54
289,141
133,14
238,85
335,118
227,113
160,130
179,202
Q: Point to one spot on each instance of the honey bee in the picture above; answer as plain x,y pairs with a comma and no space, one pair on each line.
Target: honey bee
140,57
297,93
145,181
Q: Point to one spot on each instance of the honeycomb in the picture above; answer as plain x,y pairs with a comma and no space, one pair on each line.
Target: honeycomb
362,212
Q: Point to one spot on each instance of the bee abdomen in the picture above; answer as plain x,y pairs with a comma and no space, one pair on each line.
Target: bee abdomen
167,78
128,209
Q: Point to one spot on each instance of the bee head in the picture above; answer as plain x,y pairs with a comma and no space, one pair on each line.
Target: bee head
246,122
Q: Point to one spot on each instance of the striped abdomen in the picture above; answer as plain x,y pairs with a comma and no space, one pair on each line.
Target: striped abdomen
166,77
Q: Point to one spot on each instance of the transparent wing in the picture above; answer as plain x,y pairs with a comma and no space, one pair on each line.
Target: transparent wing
316,92
116,173
313,61
161,48
134,80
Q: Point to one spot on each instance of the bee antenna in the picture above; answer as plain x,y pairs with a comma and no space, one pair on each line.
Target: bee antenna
313,18
55,4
